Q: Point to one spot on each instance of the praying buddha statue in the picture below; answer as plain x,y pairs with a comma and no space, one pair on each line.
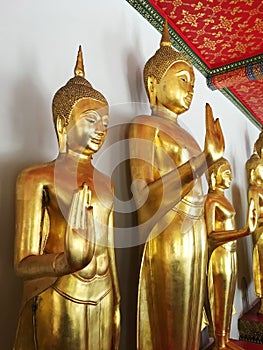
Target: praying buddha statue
64,249
222,266
166,165
254,167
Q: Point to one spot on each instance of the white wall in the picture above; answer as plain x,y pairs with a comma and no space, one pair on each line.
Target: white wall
39,42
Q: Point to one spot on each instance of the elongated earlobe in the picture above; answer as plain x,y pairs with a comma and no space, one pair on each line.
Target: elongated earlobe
252,176
62,135
213,181
151,85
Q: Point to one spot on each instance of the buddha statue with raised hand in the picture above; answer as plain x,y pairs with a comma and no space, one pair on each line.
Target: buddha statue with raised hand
166,166
222,264
254,167
64,247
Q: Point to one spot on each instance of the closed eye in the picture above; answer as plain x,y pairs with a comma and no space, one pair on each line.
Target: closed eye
105,121
91,120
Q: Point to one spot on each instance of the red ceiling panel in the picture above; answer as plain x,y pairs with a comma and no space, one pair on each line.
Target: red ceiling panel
219,31
224,39
251,96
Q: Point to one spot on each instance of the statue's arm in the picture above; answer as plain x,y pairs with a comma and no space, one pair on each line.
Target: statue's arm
152,191
29,261
254,195
217,238
112,261
115,282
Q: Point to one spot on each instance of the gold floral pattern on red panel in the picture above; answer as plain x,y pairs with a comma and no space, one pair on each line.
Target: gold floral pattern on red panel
219,31
251,96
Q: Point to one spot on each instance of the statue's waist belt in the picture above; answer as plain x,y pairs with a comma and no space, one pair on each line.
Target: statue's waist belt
84,291
192,210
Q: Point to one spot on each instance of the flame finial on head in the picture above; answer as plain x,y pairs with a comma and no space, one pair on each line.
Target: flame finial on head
76,89
79,68
165,41
163,59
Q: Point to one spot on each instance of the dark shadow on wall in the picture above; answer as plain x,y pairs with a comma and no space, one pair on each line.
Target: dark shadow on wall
10,285
135,78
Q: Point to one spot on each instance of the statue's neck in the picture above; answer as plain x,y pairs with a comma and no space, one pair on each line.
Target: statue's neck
164,112
219,191
76,157
80,156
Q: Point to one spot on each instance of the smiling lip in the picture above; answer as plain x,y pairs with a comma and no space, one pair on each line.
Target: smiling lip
96,140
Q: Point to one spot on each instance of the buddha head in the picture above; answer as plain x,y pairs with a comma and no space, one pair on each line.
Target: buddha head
254,168
219,174
169,77
258,146
80,114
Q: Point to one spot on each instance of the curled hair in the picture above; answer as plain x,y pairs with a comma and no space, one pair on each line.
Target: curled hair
163,59
159,63
76,89
67,96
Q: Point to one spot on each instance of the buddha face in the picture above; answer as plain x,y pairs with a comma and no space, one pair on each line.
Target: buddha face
176,87
258,174
259,147
87,127
224,176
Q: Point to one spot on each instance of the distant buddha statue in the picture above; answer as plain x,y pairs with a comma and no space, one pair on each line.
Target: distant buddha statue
222,267
166,164
254,168
64,233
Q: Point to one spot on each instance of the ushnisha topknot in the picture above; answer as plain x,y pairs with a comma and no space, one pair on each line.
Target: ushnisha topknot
163,59
76,89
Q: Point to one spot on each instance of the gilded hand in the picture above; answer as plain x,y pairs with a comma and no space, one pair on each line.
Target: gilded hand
78,211
214,139
80,235
252,216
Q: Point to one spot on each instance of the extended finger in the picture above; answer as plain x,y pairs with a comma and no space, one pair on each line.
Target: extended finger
209,116
73,210
220,132
89,198
85,190
79,208
252,203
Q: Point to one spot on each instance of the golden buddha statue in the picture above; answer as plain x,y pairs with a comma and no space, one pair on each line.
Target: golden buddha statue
166,164
254,168
222,266
64,248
